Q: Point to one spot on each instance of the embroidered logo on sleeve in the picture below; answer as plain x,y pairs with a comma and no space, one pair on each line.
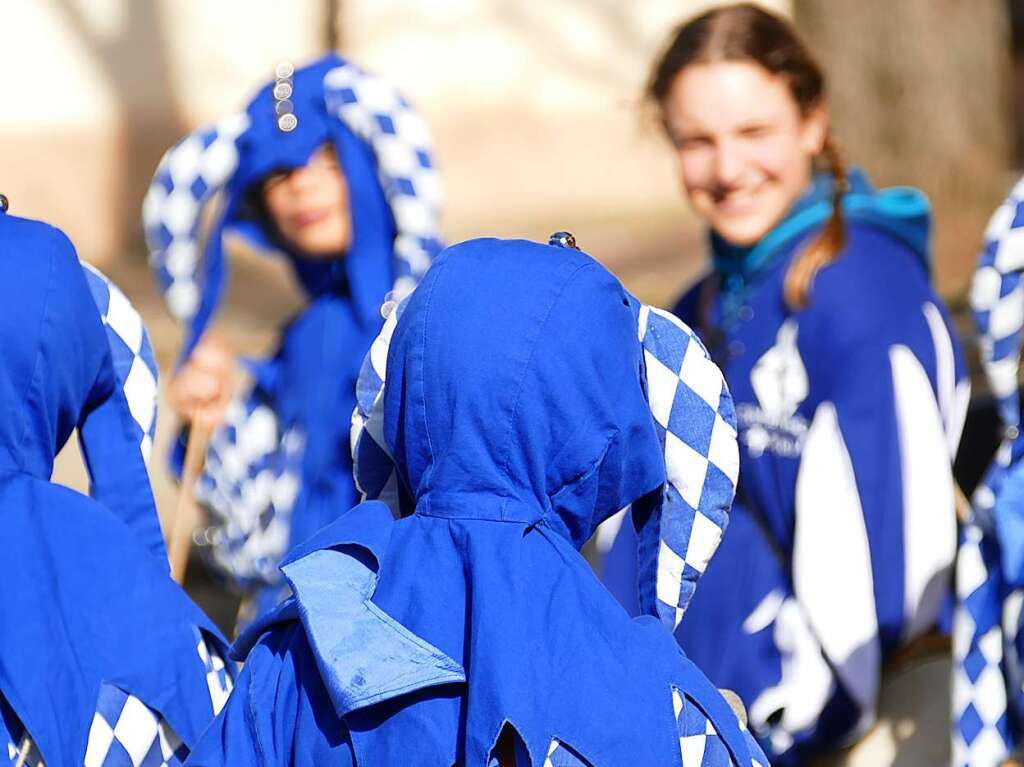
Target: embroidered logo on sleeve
779,380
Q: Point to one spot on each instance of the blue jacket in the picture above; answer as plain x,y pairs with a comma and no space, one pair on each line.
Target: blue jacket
87,597
849,411
280,467
522,404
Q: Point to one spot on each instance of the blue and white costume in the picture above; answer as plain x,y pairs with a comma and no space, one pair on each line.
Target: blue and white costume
988,645
516,400
102,657
279,468
843,535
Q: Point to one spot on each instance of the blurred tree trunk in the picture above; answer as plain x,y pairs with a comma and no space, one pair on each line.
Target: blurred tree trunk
137,63
332,25
919,95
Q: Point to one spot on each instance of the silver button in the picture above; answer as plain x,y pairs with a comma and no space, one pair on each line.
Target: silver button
389,304
736,348
287,123
283,90
284,70
745,313
284,107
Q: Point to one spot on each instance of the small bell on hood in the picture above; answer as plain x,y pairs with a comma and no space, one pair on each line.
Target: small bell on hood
284,87
563,240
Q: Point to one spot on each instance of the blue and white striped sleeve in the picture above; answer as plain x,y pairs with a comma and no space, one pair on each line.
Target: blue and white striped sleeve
875,530
116,434
997,299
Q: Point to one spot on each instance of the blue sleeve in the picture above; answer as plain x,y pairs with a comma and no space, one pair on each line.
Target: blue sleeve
875,530
618,568
774,662
109,436
118,476
257,723
233,737
278,713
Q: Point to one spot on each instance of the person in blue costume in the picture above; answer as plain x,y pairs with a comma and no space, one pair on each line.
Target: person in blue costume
516,400
102,657
850,391
988,644
330,167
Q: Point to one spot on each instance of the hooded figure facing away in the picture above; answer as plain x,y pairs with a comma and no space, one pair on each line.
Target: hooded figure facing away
515,401
102,657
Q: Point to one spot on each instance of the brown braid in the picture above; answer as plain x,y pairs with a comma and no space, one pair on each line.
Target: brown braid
824,248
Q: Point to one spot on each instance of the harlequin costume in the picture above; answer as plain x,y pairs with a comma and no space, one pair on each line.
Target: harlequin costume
102,656
278,467
517,399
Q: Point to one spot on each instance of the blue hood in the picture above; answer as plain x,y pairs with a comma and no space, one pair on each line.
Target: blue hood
525,412
364,271
383,148
50,324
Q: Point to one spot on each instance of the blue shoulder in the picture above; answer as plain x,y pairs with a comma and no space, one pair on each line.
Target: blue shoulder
286,715
274,621
687,306
36,244
873,292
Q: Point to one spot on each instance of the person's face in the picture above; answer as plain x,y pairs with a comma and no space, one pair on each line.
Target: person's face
309,206
745,150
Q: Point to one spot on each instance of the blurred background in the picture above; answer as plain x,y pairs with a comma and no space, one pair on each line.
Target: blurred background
535,109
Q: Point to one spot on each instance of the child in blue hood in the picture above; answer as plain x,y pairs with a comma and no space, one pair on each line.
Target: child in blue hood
849,384
103,659
515,401
330,167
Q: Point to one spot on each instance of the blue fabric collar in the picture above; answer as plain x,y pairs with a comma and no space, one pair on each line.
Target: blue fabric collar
364,655
903,212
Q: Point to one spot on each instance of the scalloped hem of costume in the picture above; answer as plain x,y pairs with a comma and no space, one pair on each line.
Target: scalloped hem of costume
545,635
135,626
124,729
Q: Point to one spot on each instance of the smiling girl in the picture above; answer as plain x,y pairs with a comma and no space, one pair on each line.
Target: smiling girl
849,385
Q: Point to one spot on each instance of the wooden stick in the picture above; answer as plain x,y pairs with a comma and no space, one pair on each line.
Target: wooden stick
26,746
186,513
961,503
